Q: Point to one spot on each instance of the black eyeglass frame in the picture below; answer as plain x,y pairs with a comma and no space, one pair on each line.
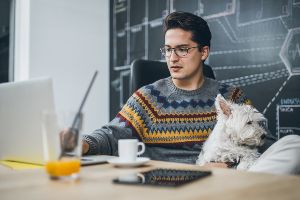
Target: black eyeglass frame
163,51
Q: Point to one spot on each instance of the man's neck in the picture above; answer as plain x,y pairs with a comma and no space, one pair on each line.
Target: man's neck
189,84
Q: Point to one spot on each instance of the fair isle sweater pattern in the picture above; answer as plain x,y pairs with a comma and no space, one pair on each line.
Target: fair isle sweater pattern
157,120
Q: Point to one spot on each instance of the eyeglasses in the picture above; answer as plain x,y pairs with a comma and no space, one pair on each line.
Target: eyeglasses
179,51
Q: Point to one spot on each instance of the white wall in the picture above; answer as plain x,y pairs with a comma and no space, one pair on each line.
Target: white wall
67,40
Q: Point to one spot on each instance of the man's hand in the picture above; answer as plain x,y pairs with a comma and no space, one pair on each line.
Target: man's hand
67,141
218,165
85,147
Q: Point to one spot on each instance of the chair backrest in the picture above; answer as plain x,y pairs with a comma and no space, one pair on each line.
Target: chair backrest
144,72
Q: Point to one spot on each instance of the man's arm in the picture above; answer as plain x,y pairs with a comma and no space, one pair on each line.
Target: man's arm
214,164
105,140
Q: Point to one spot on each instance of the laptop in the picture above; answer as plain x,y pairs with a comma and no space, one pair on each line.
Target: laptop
21,135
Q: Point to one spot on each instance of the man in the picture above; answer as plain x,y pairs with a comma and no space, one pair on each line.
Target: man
172,116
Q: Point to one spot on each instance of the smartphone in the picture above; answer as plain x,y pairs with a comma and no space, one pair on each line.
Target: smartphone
162,177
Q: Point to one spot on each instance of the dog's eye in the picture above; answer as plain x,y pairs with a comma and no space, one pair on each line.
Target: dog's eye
249,123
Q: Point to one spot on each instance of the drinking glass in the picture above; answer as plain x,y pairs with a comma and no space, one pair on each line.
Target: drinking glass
62,144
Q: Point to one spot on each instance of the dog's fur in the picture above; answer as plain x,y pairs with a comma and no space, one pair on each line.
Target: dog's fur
236,135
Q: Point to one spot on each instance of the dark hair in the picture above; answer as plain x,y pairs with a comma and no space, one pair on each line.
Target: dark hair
189,22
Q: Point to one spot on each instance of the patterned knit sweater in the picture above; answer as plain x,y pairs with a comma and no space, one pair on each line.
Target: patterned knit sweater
173,123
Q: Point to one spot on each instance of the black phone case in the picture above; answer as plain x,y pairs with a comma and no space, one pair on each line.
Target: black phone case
165,177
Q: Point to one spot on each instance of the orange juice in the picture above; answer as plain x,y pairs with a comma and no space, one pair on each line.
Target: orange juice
62,167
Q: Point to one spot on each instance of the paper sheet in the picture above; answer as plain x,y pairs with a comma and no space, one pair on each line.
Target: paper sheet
19,165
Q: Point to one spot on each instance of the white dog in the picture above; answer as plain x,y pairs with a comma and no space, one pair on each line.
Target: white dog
236,135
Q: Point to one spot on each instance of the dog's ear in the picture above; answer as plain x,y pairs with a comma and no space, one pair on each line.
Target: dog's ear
222,105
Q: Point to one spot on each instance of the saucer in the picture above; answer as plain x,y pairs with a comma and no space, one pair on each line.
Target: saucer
119,163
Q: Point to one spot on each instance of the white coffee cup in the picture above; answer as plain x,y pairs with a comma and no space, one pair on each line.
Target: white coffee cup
128,149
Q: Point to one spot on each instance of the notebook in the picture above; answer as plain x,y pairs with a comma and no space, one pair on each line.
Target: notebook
21,107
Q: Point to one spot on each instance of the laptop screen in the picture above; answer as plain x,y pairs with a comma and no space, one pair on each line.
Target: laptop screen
21,107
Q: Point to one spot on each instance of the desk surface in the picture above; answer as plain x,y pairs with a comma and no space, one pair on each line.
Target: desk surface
96,183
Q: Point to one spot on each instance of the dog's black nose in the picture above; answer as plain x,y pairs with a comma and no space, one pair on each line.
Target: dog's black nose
262,136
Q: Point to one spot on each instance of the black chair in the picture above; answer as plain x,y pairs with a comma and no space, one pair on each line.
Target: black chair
144,72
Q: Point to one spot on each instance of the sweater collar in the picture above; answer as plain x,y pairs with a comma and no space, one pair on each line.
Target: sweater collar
173,88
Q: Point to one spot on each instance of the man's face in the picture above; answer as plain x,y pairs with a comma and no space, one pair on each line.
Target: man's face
189,67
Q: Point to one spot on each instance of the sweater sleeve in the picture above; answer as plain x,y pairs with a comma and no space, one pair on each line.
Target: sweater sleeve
234,94
105,140
238,96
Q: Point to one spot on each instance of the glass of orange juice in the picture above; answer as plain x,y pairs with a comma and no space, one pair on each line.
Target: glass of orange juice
62,144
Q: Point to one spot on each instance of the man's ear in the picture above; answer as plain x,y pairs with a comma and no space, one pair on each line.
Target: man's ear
205,53
222,105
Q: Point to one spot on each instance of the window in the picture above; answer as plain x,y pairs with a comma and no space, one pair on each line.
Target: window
5,38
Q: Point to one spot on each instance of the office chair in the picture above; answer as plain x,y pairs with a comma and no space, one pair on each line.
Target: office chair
144,72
